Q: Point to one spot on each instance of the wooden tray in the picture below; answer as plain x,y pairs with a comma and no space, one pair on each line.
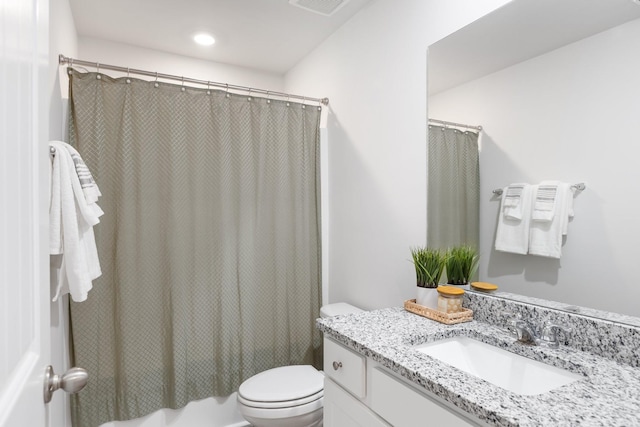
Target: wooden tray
465,315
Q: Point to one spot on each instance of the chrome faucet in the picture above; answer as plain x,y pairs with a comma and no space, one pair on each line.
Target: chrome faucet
547,336
525,332
550,334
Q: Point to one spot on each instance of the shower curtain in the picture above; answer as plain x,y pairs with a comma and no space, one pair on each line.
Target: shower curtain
453,199
209,245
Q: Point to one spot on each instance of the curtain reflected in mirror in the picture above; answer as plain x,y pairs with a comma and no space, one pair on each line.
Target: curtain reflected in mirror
453,197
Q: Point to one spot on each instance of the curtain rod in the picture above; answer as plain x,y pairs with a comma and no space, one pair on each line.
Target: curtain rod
66,60
460,125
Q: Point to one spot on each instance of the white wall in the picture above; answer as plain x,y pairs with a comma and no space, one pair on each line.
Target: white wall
571,115
125,55
62,39
373,70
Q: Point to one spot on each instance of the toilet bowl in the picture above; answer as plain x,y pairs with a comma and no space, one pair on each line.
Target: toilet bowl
288,396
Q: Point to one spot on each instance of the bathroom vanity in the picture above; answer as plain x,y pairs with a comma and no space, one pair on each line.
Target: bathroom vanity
376,374
361,392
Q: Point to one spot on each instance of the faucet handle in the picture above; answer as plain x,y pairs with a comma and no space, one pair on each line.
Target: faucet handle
511,319
550,333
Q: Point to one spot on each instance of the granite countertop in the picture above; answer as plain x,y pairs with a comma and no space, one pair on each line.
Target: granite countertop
608,395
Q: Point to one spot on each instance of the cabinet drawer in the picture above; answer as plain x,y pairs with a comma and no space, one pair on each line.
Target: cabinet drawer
346,367
402,406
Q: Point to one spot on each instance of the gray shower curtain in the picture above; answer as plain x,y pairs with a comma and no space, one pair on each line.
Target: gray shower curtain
209,245
453,199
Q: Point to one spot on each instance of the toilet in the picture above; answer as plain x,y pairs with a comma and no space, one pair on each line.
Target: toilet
288,396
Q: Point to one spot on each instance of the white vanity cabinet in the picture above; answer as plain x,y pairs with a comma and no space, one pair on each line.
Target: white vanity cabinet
341,409
361,392
345,389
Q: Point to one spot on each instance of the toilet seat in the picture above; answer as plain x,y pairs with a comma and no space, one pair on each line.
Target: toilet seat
282,403
283,384
305,410
287,390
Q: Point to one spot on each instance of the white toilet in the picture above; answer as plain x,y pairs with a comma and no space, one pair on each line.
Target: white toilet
288,396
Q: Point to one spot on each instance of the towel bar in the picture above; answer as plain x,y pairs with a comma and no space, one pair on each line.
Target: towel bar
578,187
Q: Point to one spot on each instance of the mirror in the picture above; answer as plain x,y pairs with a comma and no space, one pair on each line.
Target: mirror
556,87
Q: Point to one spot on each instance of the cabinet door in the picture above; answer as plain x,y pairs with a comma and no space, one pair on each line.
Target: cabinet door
403,406
343,410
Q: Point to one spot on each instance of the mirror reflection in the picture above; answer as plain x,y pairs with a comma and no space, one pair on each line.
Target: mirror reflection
554,85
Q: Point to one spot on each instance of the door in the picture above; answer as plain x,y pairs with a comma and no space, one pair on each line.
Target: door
24,277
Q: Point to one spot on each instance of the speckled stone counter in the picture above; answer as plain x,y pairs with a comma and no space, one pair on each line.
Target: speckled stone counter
612,336
608,395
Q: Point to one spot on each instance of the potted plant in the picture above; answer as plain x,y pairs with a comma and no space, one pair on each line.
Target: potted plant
429,264
461,265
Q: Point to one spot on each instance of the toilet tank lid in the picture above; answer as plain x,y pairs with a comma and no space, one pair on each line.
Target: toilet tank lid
337,308
282,384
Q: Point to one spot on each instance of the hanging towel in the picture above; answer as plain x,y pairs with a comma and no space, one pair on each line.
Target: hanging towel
546,236
545,201
512,234
90,210
89,186
570,211
512,205
55,209
71,227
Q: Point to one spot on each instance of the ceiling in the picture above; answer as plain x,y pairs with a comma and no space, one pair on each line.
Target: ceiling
268,35
520,30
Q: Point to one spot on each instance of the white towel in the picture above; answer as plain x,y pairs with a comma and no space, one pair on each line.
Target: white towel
55,210
512,234
512,205
90,210
570,211
545,201
72,227
546,236
89,186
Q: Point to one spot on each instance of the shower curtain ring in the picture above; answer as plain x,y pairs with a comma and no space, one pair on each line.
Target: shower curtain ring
182,88
227,90
249,97
268,100
128,80
208,88
304,99
98,76
155,84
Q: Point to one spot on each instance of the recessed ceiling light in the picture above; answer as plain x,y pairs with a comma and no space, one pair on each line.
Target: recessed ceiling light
204,39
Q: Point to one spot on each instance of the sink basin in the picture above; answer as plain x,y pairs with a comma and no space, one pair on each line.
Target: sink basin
500,367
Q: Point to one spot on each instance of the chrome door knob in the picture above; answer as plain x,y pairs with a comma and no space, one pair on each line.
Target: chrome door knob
71,381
